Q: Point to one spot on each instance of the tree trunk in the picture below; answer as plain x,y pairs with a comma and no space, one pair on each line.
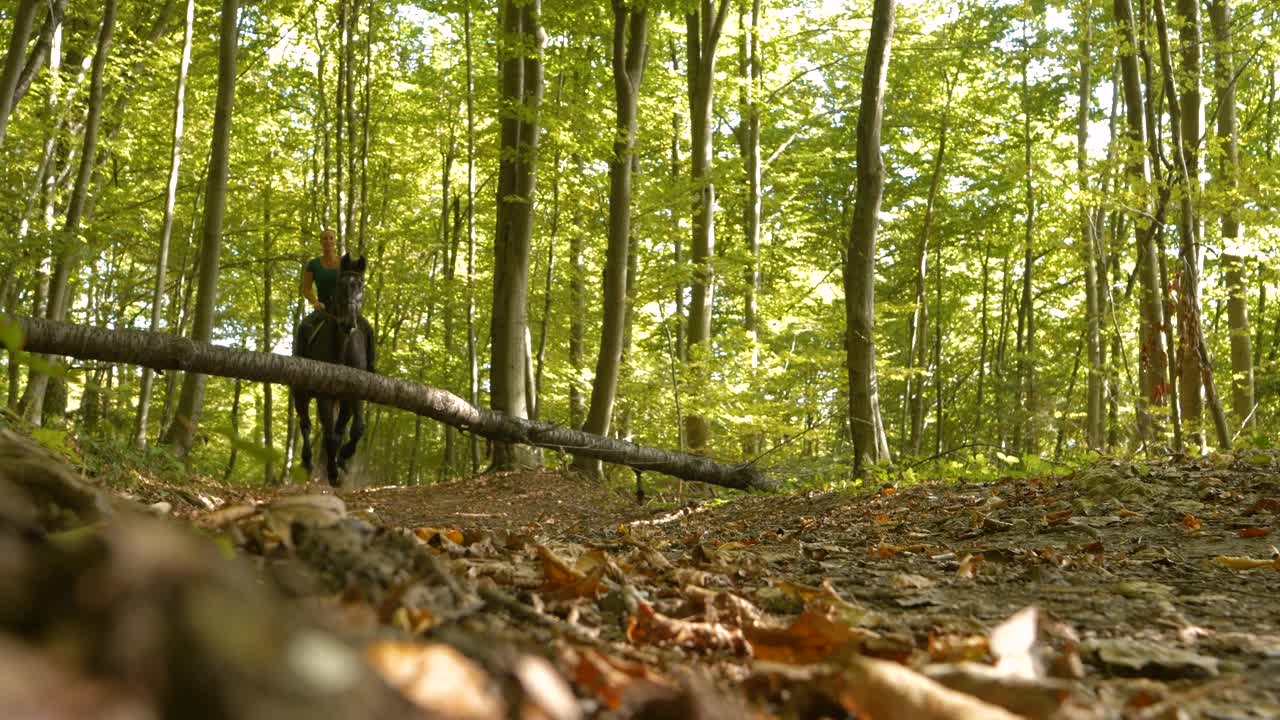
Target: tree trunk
1189,299
181,432
752,73
59,295
450,235
918,320
1153,362
1228,180
52,25
869,443
235,432
522,85
166,226
980,406
473,361
1188,91
23,20
702,34
1093,339
166,352
1030,417
630,47
578,305
268,441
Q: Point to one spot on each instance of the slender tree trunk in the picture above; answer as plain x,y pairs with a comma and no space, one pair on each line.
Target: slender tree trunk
1153,362
181,434
703,27
449,236
349,109
339,138
522,85
1189,300
23,20
980,405
577,331
1242,404
59,290
1001,370
1026,431
939,275
918,320
630,47
1190,112
166,225
869,443
366,101
268,440
1093,340
51,26
553,234
473,362
235,432
680,319
752,73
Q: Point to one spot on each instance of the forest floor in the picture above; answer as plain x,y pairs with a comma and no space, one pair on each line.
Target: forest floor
1125,590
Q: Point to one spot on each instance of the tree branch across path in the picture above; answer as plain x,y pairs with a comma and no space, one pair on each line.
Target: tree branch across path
166,352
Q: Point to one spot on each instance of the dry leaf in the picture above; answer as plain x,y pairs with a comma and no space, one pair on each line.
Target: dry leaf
545,693
1035,699
1191,522
810,638
1246,563
563,582
882,690
649,627
604,677
438,679
437,536
969,566
956,647
1253,532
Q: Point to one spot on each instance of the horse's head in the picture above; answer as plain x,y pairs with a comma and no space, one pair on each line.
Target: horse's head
349,296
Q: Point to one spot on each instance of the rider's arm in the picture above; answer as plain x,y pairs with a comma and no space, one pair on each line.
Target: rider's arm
309,288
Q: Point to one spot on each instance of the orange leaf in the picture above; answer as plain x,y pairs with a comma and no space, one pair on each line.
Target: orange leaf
438,679
435,536
811,638
604,677
649,627
564,582
1057,518
1191,522
1254,532
969,566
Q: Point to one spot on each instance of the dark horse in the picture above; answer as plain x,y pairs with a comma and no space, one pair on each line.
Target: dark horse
342,336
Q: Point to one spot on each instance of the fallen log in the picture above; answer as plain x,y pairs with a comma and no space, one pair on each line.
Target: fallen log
166,352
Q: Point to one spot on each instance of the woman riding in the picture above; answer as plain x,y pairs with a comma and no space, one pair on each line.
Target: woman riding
319,281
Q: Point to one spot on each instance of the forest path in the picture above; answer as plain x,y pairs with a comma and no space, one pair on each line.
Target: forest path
1156,589
1138,568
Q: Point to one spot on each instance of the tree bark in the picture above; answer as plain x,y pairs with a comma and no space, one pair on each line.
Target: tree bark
869,443
473,362
166,226
1094,410
703,28
1029,421
630,48
1242,391
53,23
578,309
522,87
268,440
1153,362
181,433
918,320
23,20
1189,299
167,352
1188,89
68,257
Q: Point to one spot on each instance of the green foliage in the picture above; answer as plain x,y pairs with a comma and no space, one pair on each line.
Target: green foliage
778,396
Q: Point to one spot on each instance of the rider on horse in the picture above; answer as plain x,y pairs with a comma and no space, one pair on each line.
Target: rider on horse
319,284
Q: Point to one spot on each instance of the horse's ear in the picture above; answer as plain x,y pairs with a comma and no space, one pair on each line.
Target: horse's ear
346,262
359,265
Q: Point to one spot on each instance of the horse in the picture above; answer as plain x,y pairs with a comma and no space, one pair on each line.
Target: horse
341,336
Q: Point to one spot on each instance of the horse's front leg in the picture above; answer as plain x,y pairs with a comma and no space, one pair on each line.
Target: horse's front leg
357,430
330,439
302,406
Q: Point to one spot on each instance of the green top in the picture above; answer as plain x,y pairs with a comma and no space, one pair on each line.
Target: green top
326,281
